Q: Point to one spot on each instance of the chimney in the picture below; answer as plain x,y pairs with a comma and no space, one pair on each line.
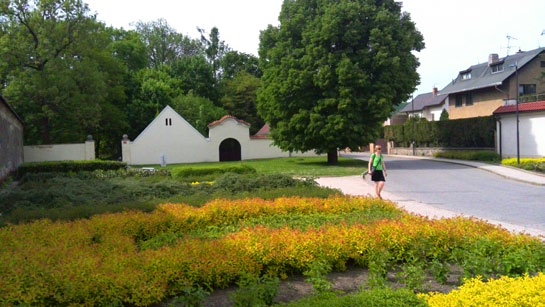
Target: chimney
434,91
493,58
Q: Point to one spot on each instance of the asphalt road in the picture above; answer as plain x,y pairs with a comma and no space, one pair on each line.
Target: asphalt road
465,190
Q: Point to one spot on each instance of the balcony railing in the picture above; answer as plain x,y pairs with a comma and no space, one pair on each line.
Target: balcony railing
532,98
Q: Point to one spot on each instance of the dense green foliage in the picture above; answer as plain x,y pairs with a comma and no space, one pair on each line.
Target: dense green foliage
461,133
333,71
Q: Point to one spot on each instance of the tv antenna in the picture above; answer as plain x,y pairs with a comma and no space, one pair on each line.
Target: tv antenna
509,38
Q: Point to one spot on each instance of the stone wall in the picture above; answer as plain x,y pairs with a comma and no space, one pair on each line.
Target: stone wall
11,140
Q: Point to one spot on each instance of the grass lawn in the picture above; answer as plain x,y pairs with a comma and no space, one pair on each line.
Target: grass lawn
297,166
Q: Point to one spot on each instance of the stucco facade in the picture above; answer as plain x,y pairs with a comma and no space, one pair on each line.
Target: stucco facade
61,152
11,140
531,128
169,138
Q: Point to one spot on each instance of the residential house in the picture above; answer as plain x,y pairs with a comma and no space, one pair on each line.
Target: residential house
397,117
428,106
169,138
481,89
11,140
528,139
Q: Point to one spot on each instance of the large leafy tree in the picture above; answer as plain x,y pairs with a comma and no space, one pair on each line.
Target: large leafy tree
196,75
164,45
57,71
215,49
153,90
239,96
333,71
198,111
234,62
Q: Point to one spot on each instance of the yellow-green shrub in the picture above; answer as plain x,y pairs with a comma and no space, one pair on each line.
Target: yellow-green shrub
531,164
506,292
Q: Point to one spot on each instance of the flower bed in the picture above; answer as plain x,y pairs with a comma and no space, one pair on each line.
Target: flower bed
141,259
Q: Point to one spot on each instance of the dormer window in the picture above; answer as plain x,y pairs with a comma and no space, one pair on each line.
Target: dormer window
466,74
497,68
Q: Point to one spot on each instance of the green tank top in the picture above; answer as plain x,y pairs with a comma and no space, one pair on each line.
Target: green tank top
377,163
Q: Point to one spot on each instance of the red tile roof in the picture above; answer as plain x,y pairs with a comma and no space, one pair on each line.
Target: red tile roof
226,117
263,133
523,107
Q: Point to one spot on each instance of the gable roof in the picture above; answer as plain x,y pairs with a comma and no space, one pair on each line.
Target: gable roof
527,107
4,102
167,110
226,117
483,77
263,133
424,100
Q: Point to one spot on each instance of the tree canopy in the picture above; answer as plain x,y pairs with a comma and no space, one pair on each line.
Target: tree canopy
68,75
333,71
57,70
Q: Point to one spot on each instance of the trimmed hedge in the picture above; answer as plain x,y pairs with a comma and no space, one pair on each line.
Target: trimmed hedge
208,173
68,166
469,155
468,132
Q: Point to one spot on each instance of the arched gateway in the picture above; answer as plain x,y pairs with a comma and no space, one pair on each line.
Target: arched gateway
230,150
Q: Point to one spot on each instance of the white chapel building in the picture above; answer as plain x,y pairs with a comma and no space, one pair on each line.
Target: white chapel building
169,138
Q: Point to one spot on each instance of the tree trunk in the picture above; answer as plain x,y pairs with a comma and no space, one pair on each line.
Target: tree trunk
332,157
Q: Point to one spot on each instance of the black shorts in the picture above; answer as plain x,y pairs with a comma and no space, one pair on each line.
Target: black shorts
377,176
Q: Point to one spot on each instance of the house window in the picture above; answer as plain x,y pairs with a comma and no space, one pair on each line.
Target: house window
466,76
168,121
497,68
469,99
459,101
542,64
527,89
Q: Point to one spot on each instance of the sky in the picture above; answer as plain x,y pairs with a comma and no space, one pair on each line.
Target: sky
457,33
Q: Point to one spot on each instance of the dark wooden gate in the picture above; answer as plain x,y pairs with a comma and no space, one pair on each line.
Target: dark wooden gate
230,150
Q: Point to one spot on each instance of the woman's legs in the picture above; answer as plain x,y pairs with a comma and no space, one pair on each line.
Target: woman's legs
379,185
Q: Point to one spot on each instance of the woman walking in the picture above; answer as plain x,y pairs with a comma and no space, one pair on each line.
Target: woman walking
377,169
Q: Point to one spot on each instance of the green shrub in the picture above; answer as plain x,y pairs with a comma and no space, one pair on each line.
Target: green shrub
235,183
317,276
255,291
190,297
469,155
68,166
209,173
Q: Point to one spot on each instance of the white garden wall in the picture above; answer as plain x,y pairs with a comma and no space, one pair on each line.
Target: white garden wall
60,152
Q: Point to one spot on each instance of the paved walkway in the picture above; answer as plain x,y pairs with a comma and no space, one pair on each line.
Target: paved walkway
355,185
